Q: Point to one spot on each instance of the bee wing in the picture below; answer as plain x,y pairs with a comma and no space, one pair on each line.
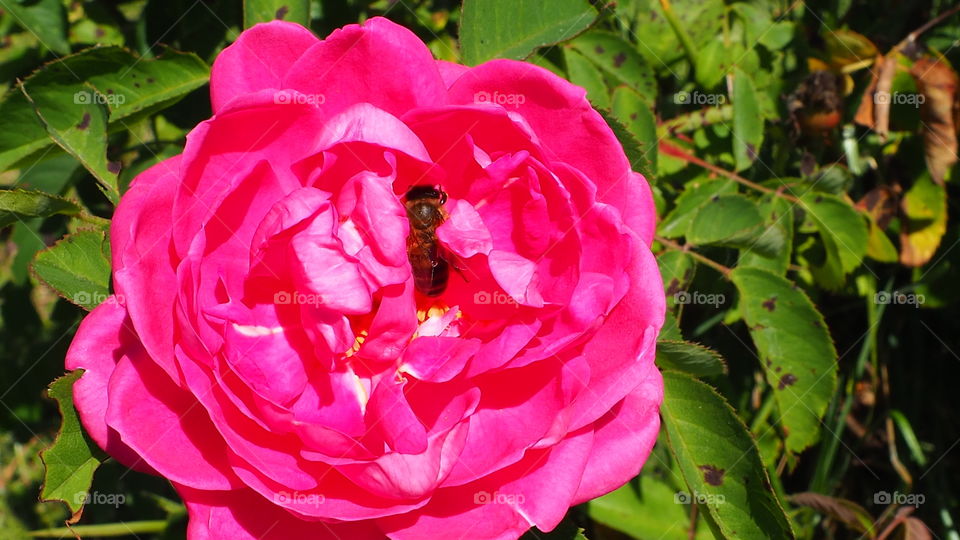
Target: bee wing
456,262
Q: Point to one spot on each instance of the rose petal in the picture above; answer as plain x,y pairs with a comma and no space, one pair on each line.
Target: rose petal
547,97
143,272
96,349
258,59
244,515
623,439
165,425
379,62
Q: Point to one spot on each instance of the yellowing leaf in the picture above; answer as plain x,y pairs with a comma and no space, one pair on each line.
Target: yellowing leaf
924,209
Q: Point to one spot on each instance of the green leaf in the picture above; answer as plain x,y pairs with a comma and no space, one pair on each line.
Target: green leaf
646,508
879,246
258,11
45,19
711,63
619,60
843,231
794,348
756,21
583,72
702,21
638,117
676,269
631,146
909,437
695,194
772,249
77,126
691,358
128,86
514,29
77,267
72,459
725,219
747,121
720,461
17,205
30,137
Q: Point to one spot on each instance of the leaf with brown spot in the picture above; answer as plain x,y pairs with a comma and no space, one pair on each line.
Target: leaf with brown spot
937,81
620,61
712,475
788,379
719,459
786,337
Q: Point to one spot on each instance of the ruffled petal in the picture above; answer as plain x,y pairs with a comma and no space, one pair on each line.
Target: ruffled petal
547,98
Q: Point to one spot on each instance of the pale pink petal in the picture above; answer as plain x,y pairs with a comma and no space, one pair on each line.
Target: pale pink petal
464,232
365,123
389,414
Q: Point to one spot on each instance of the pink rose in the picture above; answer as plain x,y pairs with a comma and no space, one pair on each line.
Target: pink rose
271,354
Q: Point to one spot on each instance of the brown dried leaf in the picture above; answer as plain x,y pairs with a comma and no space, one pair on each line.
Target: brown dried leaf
874,109
937,81
847,512
880,203
914,529
865,114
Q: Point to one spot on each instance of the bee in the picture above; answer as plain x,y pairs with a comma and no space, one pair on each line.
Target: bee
428,258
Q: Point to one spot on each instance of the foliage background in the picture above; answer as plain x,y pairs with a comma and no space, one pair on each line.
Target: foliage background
780,174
